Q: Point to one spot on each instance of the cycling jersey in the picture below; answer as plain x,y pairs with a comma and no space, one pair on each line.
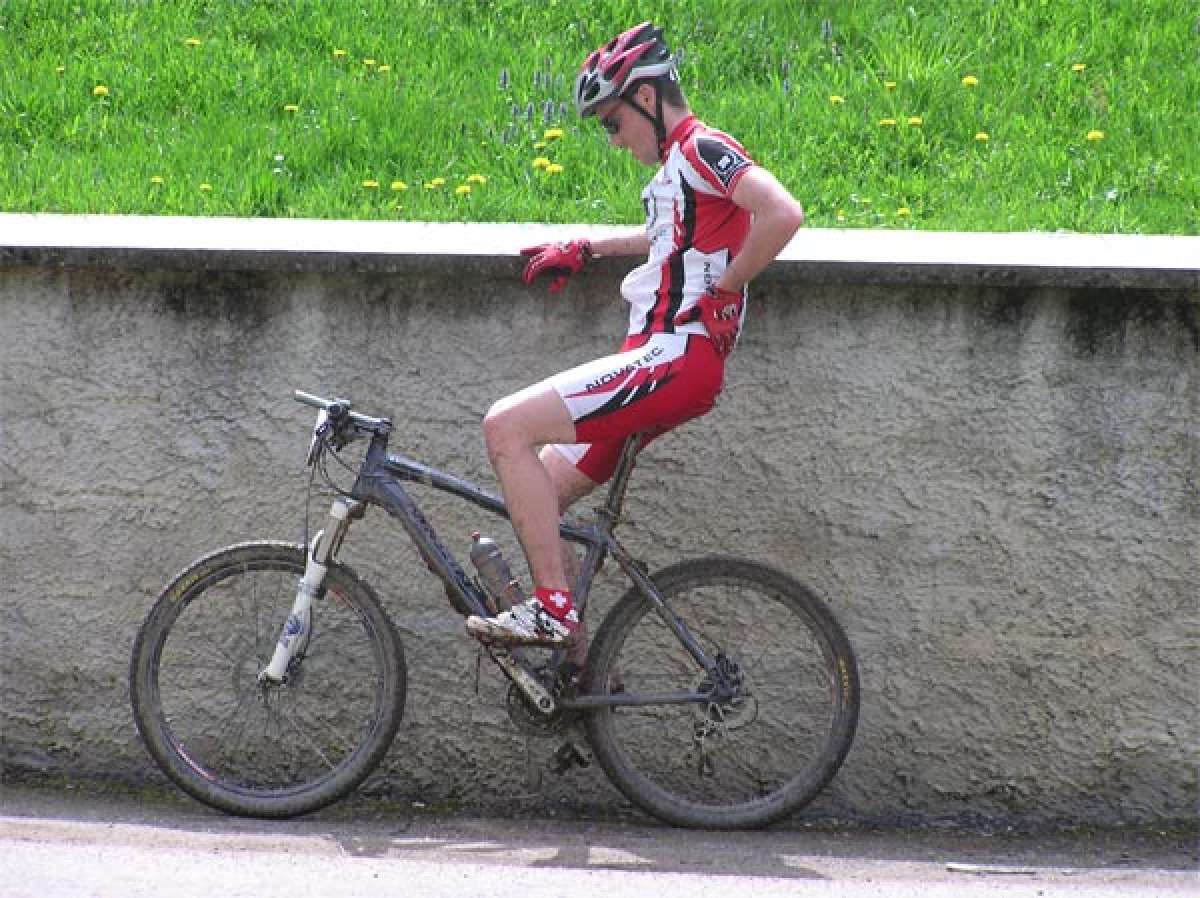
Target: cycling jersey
694,227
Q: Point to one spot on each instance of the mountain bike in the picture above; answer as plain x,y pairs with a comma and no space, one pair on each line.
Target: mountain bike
268,680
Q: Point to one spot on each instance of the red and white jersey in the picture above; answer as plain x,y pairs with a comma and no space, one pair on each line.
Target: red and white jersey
695,229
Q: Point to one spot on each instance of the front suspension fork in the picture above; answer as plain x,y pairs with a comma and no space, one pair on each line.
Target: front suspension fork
299,622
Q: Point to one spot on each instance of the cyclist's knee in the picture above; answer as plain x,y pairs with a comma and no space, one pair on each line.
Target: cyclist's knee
533,417
495,426
504,429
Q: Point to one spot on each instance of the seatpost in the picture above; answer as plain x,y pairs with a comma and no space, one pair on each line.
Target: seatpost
620,481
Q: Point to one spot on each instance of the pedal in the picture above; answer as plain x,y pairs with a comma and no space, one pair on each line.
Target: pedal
568,756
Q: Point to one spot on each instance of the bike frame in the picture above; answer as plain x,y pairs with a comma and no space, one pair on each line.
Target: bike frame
380,482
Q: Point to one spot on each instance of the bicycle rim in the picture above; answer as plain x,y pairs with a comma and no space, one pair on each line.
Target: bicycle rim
743,763
267,750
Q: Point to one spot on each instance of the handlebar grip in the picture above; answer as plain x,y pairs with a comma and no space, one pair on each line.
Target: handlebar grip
317,402
310,399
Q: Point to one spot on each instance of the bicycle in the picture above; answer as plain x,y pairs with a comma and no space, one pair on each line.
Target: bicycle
267,680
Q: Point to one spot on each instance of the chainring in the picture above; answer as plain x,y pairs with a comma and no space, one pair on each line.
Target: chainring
529,720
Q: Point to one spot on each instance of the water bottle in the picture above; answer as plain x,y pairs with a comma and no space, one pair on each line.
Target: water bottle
494,572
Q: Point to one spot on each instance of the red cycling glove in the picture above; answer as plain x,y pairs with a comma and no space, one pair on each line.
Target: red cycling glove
559,260
721,312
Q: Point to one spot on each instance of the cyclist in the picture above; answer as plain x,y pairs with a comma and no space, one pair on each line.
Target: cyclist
714,219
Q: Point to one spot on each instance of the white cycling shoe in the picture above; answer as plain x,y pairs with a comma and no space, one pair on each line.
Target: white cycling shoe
526,624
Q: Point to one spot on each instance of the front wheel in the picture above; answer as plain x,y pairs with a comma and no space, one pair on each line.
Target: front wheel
755,756
255,748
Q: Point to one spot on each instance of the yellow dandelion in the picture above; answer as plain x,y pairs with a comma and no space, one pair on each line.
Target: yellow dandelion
836,99
100,90
462,189
916,121
206,188
541,162
369,63
156,180
370,184
553,134
1095,135
970,81
384,69
339,54
1078,67
476,179
291,107
903,212
60,69
438,182
887,123
399,186
982,136
889,85
193,42
540,145
554,169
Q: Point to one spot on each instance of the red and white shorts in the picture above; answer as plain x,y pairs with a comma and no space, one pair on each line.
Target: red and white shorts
655,383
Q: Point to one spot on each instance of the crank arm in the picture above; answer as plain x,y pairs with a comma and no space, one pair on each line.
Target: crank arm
519,674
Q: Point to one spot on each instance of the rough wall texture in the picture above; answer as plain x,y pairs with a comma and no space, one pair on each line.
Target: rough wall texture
997,490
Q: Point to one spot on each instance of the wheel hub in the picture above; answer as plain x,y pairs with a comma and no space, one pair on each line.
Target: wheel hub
733,705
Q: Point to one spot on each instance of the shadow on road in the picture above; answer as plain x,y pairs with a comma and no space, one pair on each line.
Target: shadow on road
371,828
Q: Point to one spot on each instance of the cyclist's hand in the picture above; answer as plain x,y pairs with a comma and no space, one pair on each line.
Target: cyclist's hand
558,260
721,312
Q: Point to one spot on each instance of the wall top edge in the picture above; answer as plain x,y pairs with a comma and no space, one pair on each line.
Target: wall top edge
1063,259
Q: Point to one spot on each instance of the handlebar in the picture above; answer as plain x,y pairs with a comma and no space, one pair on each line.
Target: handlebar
340,411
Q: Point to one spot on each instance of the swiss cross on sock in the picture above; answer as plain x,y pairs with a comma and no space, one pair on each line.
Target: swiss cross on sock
556,601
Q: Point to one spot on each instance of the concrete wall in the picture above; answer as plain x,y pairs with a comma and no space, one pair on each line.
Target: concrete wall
988,467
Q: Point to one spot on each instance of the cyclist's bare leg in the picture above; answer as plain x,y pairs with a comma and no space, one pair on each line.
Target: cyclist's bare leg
570,483
514,429
571,486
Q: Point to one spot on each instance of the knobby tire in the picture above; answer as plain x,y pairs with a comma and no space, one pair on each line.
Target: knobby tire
750,762
270,752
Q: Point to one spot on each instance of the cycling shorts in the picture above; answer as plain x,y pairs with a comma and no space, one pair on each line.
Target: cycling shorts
655,383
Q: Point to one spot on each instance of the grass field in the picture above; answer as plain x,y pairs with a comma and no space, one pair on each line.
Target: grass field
972,115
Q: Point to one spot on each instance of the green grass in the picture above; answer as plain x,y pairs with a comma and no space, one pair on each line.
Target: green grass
198,116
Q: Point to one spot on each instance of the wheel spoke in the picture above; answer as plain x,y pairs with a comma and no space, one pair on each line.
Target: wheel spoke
303,733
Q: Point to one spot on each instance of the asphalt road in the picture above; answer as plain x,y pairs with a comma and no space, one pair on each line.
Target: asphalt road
87,840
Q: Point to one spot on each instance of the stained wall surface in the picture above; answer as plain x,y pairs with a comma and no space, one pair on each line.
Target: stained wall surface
993,479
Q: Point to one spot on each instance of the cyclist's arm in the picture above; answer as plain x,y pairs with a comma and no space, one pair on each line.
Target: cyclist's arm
777,217
635,243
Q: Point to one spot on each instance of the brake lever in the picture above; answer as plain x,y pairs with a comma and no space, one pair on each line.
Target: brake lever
319,436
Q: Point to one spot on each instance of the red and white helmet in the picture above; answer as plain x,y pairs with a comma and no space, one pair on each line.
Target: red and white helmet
635,55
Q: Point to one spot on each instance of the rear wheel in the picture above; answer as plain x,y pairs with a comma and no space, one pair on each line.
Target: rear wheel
265,750
745,761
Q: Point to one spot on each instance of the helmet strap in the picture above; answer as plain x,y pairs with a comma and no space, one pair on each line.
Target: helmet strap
660,128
